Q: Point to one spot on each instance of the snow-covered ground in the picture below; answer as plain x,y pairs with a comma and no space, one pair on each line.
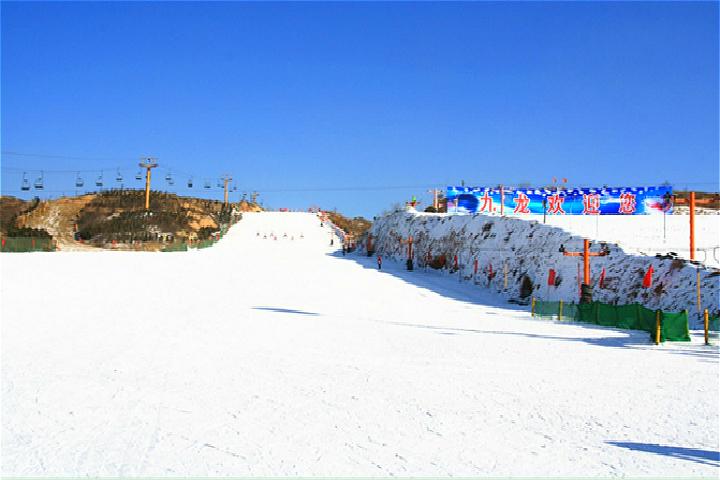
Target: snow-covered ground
282,357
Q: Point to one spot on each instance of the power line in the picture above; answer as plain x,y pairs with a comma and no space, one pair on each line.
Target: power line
66,157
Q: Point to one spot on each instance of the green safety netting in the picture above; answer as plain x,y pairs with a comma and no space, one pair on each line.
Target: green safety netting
569,312
176,247
546,309
714,322
26,244
674,326
204,244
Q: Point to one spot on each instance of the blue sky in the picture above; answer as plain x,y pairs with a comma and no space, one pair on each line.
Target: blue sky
296,99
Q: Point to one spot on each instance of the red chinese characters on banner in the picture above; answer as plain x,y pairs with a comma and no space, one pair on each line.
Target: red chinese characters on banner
555,203
522,203
486,204
627,204
591,204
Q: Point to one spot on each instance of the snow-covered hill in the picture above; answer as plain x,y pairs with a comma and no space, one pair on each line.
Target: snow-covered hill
530,249
264,357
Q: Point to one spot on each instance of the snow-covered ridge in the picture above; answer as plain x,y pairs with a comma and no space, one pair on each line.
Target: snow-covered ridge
530,248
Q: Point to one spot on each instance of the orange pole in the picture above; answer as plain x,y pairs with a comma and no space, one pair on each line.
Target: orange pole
586,261
706,321
147,189
692,225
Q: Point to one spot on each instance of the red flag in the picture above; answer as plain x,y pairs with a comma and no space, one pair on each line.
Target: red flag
602,278
647,279
551,277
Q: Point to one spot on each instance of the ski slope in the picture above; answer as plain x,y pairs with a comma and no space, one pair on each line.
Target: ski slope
263,357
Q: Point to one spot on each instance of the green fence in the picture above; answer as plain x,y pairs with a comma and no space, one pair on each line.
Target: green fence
204,243
714,323
176,247
673,326
27,244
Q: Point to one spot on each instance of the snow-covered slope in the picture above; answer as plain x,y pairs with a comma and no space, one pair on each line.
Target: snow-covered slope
261,357
530,249
649,234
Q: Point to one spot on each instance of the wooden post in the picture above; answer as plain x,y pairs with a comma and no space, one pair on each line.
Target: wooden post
706,322
532,307
505,275
560,311
658,327
692,225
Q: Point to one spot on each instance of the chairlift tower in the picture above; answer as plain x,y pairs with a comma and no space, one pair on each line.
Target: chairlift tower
226,179
148,163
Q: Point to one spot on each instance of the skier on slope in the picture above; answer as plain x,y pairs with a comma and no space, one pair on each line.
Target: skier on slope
379,261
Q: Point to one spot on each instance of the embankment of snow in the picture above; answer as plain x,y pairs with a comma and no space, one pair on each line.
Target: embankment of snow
513,248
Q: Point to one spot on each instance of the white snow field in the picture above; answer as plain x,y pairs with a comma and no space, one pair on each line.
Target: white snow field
281,357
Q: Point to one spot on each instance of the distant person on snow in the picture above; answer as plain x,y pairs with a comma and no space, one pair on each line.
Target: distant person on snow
379,260
343,250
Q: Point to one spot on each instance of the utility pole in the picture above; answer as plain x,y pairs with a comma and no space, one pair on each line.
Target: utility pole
436,203
586,292
226,180
148,163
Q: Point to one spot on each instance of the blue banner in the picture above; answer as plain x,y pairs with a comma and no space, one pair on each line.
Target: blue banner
575,201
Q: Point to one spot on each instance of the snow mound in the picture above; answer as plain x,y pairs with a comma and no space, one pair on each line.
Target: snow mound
529,249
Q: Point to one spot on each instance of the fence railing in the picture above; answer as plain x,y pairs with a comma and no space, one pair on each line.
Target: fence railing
27,244
673,326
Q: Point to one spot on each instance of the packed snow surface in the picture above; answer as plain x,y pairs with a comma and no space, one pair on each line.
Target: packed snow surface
282,357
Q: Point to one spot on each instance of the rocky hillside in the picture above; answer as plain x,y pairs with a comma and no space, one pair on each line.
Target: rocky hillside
117,219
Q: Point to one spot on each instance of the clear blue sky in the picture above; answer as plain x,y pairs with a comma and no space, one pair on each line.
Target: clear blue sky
319,95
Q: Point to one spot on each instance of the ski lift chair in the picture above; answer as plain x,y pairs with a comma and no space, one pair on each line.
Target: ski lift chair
39,182
79,181
25,186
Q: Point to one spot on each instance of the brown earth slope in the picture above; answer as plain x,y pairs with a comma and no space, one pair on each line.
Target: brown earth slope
118,219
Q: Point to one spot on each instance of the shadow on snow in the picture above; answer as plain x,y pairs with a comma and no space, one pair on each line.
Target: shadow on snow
705,457
286,310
